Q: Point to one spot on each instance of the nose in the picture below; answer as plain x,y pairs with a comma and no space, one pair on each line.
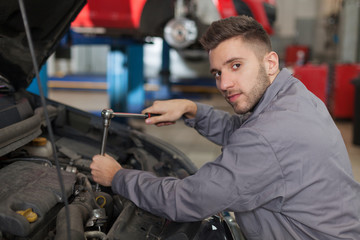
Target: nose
226,82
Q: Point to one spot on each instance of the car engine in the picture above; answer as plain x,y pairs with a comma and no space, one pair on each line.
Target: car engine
31,203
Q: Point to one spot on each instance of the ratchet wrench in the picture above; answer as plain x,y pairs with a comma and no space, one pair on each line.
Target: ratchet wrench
107,114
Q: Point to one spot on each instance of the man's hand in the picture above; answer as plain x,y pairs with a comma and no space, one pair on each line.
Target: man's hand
103,169
170,110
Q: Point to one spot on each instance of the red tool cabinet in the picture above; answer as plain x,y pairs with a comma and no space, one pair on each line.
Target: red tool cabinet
342,102
315,78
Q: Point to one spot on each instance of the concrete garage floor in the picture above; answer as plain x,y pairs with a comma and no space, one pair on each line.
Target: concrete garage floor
196,147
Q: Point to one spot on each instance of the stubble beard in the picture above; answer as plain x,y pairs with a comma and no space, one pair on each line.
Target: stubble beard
255,94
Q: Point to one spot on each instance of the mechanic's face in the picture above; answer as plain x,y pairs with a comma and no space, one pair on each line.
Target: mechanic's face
240,76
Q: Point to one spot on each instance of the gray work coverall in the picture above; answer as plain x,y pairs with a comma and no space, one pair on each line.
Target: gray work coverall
284,171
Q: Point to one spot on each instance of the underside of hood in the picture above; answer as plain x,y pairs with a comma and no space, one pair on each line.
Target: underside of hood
48,22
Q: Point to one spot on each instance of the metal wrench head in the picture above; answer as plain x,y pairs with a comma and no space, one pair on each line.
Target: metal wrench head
107,113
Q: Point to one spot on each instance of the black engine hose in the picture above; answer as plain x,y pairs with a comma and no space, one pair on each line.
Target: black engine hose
80,211
78,215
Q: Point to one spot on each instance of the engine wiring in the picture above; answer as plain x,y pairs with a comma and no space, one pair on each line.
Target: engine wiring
47,118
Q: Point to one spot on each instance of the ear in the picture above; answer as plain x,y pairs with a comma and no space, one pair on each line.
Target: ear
271,63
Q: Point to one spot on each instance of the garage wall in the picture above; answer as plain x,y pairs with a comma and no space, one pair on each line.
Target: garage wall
349,32
307,22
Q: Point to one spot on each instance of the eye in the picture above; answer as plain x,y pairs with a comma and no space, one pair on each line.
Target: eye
236,66
217,74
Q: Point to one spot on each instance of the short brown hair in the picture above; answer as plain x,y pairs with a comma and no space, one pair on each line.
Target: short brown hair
243,26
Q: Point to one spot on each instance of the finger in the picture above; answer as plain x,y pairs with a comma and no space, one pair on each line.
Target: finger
94,166
145,111
100,158
161,124
94,174
148,110
157,107
160,119
97,158
154,120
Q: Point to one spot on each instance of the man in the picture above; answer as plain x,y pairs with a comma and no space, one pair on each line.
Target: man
284,170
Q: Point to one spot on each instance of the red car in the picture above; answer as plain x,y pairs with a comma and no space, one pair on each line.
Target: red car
180,22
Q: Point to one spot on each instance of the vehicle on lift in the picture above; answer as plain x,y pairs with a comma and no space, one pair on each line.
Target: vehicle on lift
179,22
46,189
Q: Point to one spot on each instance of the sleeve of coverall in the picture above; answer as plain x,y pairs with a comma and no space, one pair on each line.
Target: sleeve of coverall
215,125
246,175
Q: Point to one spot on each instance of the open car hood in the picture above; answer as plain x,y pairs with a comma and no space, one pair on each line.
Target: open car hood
48,22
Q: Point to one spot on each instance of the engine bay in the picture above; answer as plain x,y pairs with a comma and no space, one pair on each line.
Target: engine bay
31,202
